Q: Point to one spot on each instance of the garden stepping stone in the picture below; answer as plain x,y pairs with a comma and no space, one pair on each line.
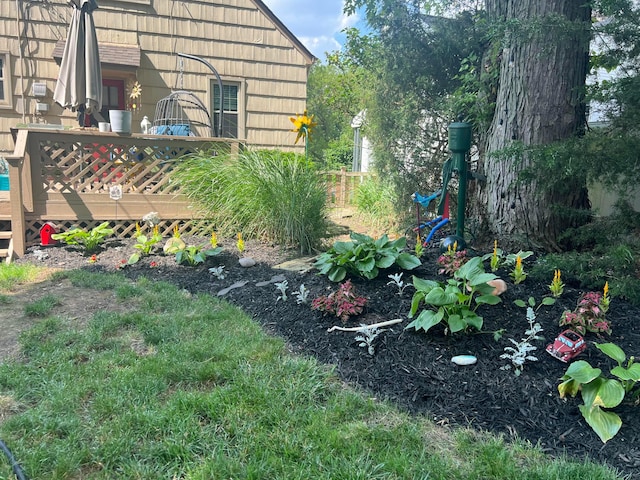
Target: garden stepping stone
299,265
224,291
274,279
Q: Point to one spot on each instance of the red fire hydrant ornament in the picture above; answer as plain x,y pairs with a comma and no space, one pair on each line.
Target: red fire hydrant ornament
46,231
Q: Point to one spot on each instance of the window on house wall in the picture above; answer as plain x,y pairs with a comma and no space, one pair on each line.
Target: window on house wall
5,81
232,112
112,96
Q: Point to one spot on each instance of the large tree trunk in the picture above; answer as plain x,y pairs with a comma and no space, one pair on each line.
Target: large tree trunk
543,67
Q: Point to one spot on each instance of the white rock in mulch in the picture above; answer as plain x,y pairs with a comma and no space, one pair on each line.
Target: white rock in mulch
464,359
247,262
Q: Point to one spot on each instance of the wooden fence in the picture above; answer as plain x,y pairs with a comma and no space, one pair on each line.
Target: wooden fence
342,185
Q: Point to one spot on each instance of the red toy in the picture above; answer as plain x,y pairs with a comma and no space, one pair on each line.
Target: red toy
566,346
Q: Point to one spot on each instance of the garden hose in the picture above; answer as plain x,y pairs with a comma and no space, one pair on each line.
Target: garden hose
17,469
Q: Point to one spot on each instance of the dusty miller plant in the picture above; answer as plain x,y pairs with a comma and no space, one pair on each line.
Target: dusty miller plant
520,353
217,272
366,337
302,295
396,280
282,288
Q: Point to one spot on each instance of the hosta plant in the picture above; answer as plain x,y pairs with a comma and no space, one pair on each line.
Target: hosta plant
90,240
600,392
364,256
454,302
194,255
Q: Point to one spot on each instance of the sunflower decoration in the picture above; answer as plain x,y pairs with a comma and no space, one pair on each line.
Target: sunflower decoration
135,94
303,125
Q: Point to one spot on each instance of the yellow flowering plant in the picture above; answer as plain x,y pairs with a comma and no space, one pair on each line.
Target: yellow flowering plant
605,300
518,275
240,244
214,239
495,258
556,287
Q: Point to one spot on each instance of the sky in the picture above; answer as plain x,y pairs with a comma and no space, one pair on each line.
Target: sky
316,23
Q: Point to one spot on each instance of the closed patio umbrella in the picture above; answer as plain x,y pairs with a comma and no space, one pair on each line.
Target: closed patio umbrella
79,85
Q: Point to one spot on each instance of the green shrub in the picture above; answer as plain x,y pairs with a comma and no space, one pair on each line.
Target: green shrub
266,194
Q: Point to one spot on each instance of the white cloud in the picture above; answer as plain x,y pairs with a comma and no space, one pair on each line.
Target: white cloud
318,24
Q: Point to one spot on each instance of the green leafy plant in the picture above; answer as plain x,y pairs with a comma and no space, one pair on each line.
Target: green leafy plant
599,392
343,303
499,258
454,302
365,257
144,244
194,255
589,315
90,240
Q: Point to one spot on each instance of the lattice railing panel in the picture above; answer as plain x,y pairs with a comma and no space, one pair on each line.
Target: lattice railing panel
94,167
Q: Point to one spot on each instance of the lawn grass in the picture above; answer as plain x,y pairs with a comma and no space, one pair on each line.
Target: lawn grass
189,387
12,275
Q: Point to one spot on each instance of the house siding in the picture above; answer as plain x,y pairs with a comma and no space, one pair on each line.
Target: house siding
240,38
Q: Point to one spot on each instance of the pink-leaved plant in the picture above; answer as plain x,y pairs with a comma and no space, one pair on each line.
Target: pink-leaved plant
588,316
343,303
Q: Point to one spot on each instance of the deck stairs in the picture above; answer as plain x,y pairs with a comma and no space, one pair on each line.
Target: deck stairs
6,243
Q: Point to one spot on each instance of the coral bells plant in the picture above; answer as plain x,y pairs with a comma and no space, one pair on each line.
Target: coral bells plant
343,303
589,315
452,260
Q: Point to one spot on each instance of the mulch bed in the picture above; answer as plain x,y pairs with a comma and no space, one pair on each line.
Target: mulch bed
414,369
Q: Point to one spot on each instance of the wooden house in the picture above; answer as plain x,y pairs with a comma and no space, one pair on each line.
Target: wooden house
64,176
263,67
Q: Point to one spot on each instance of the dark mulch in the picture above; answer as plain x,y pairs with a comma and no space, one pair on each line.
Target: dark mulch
414,370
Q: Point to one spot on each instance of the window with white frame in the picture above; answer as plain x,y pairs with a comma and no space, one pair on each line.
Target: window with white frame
232,108
5,81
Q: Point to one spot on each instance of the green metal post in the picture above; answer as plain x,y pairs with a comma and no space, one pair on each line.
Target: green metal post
460,144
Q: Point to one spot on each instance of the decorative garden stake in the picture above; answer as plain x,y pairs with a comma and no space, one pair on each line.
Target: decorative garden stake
303,125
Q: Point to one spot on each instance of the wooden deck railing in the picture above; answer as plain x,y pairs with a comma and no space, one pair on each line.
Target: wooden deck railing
84,177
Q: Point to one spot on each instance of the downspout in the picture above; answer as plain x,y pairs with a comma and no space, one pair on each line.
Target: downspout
24,119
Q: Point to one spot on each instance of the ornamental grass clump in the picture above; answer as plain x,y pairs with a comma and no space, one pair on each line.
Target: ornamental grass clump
265,194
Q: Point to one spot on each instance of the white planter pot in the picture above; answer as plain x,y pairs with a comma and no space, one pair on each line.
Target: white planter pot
120,121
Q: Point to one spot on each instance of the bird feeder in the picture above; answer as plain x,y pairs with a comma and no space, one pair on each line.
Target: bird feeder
46,232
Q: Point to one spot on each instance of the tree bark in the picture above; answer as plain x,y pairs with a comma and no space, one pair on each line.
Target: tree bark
543,68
